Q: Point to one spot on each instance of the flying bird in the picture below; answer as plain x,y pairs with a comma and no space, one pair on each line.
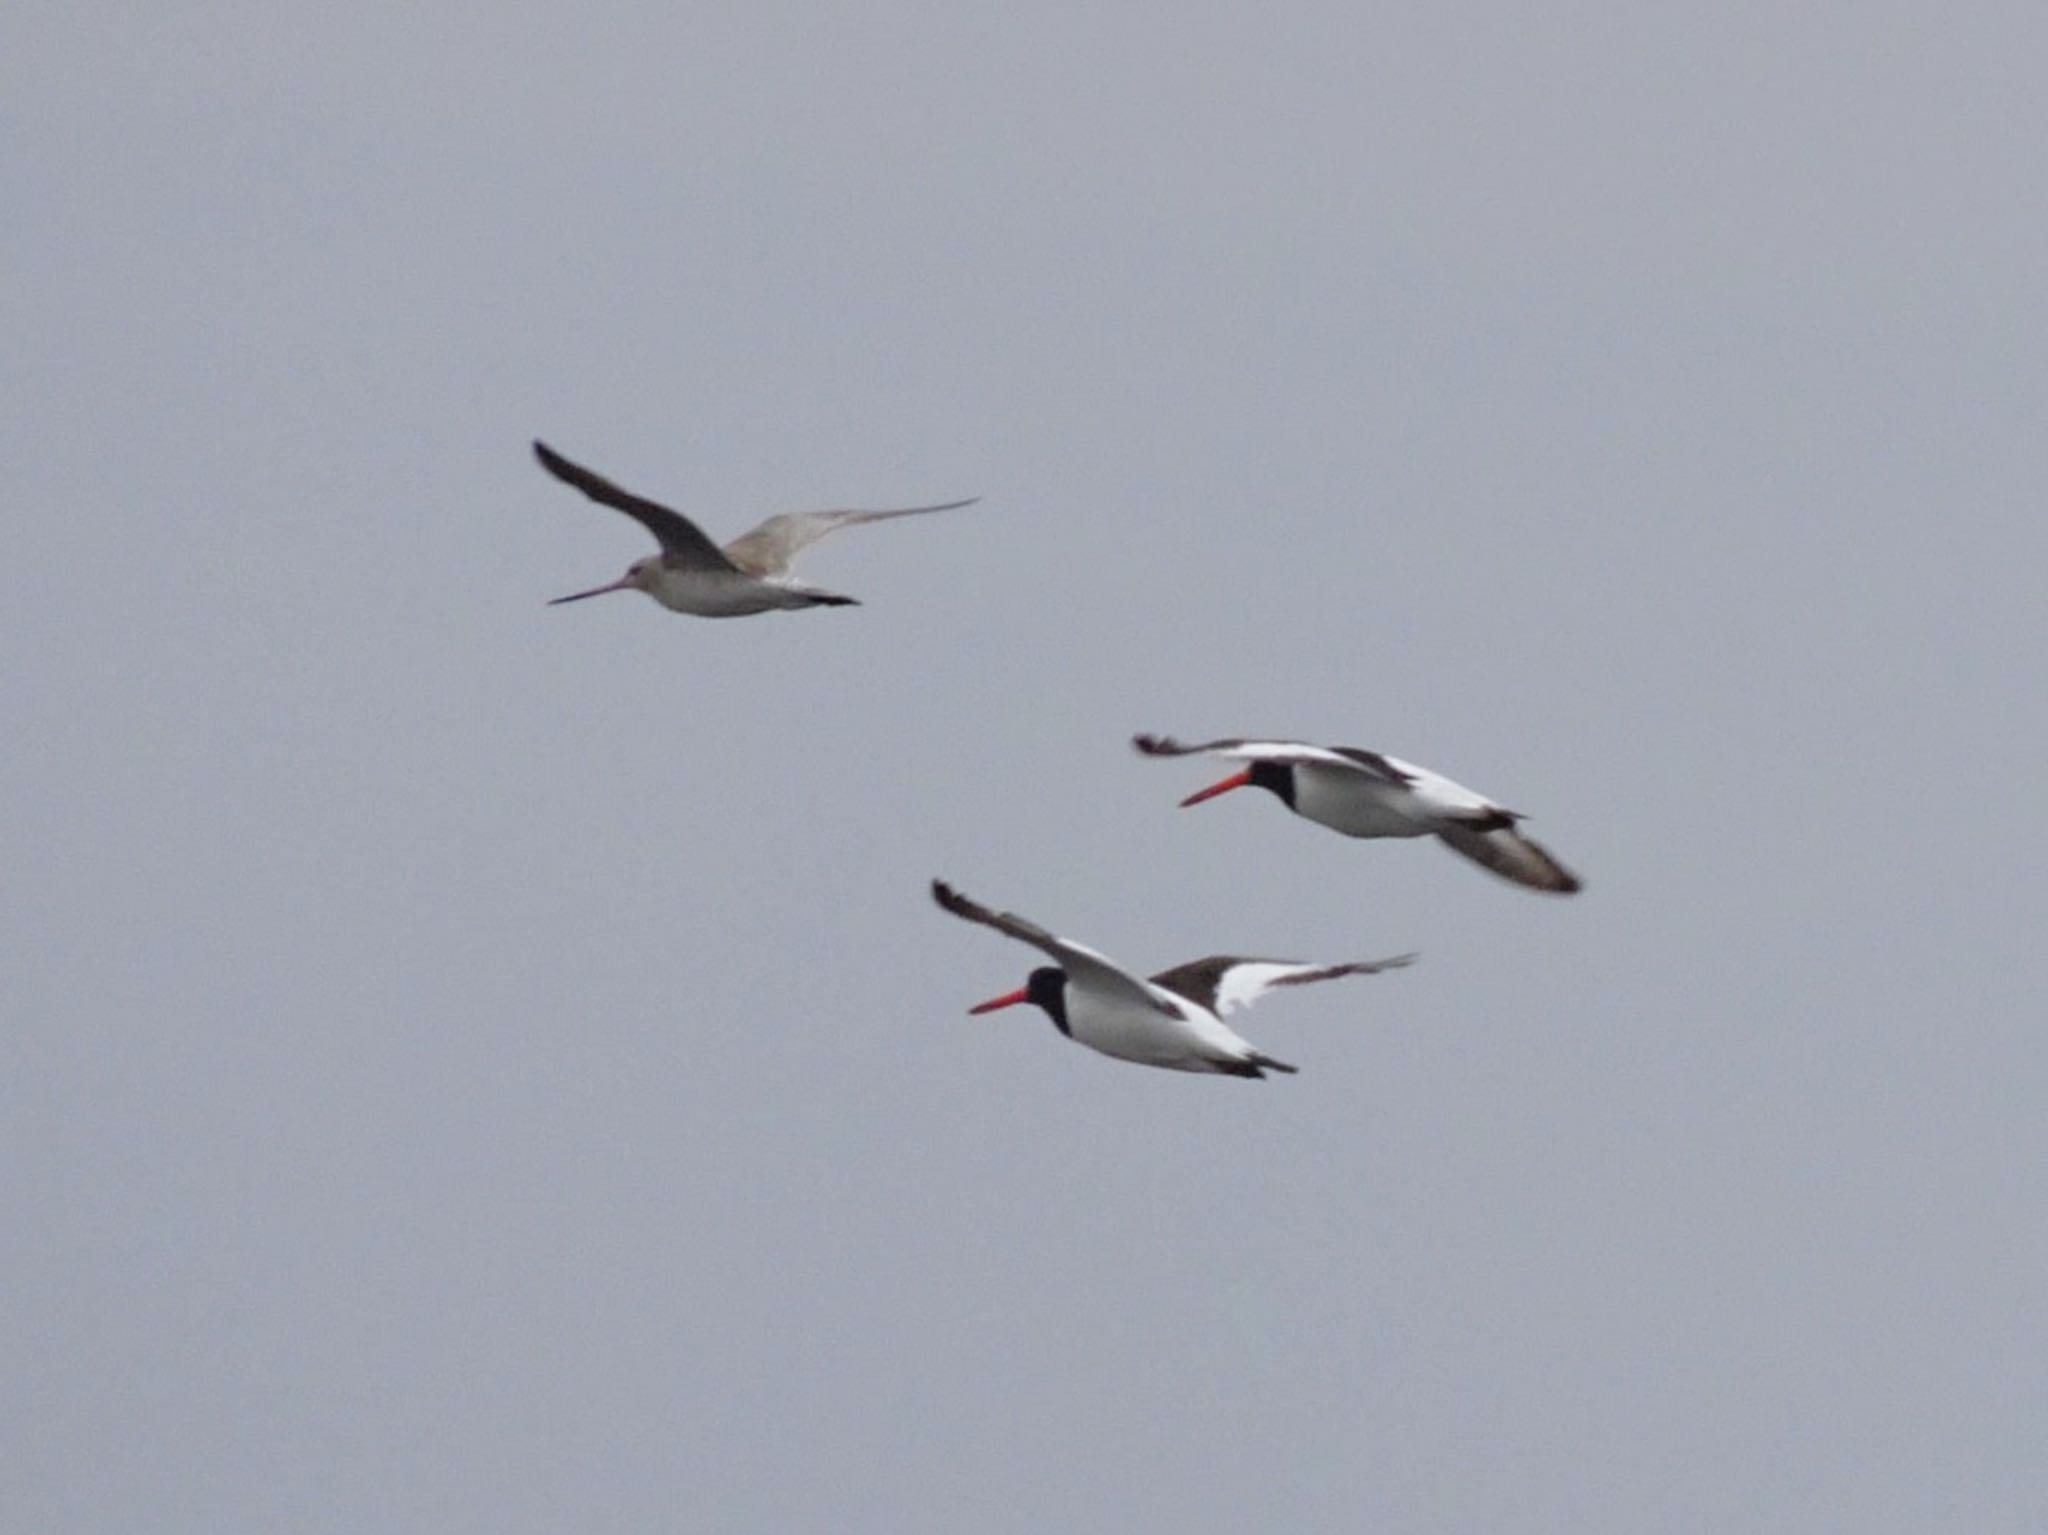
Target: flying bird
694,575
1364,794
1173,1020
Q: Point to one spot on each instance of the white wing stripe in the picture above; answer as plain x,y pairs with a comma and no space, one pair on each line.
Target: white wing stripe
1242,985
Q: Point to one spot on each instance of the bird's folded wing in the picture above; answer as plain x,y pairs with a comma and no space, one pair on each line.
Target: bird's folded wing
1512,856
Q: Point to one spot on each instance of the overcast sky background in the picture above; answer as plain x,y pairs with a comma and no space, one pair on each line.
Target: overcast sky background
474,1067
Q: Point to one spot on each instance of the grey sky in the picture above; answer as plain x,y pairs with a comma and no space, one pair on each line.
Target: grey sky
475,1067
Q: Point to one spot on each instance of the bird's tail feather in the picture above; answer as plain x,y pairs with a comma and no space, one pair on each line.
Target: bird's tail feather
1257,1064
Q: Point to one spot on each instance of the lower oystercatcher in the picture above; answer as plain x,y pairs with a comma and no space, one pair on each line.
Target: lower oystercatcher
1171,1020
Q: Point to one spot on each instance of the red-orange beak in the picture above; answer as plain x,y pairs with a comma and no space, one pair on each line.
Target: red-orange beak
1234,781
1007,999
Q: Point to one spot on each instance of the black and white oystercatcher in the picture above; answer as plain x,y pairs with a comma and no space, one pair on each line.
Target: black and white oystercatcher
1172,1020
694,575
1364,794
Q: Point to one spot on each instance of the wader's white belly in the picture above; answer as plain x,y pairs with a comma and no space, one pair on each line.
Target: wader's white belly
1355,806
721,596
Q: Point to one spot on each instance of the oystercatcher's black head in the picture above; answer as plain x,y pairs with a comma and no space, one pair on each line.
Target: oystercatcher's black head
1046,987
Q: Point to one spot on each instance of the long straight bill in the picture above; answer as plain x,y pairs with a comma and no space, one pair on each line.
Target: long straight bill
624,583
1234,781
